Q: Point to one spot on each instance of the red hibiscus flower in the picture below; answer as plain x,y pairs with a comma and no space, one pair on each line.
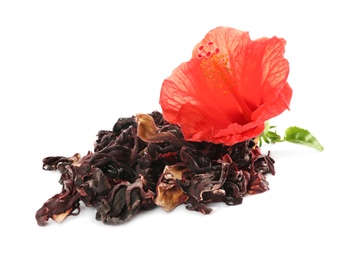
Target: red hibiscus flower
229,88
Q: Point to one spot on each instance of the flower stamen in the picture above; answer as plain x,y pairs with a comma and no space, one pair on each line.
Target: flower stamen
211,49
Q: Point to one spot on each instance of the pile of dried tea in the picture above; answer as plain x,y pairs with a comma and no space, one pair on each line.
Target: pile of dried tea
145,162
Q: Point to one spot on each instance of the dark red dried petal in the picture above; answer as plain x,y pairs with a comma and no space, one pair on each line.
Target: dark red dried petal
257,184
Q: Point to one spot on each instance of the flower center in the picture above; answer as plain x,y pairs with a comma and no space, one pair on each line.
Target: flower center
215,66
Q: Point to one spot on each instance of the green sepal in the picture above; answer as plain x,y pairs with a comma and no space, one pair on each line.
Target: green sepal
302,136
269,136
274,137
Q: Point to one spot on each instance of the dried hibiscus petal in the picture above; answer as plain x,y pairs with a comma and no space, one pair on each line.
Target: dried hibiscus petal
168,193
63,204
123,201
236,182
257,184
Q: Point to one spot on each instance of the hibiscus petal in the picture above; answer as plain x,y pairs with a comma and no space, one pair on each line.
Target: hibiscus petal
192,124
276,107
276,69
260,69
235,133
188,85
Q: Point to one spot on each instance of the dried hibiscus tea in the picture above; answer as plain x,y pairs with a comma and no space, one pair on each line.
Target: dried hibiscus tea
145,162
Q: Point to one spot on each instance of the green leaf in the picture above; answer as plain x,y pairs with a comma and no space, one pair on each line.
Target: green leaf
298,135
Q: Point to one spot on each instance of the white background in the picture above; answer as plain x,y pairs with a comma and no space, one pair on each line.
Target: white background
71,68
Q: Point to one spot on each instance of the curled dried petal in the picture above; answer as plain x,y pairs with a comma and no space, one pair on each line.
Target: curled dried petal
263,164
50,163
59,207
168,193
257,184
57,211
236,182
149,132
124,201
198,206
